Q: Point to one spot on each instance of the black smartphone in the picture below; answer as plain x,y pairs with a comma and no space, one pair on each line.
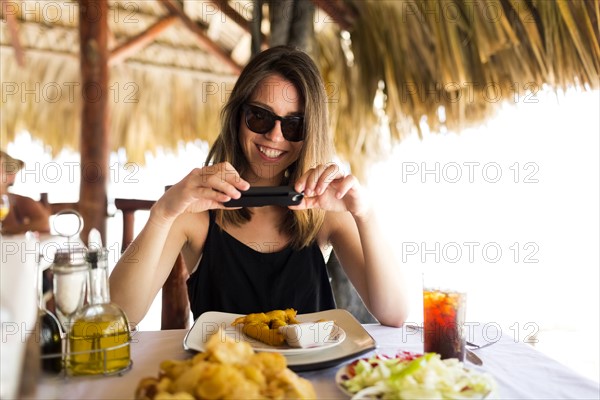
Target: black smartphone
259,196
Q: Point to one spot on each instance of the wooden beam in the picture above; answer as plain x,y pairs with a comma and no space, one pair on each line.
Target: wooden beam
173,7
47,52
144,65
141,40
94,142
339,12
236,17
230,12
9,10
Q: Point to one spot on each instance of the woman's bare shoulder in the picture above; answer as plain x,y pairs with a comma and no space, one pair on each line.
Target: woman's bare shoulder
28,205
194,226
333,223
17,198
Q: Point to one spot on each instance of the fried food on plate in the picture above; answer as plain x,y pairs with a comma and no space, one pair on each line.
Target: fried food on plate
265,326
226,370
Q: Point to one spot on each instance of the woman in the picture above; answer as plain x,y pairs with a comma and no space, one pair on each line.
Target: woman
25,214
253,260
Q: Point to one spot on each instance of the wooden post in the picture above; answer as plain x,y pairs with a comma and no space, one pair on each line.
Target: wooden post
9,11
94,146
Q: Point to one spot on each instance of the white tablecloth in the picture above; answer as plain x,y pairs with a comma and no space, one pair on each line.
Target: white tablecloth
521,371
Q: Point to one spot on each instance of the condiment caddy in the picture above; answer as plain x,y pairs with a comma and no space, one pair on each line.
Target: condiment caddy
94,332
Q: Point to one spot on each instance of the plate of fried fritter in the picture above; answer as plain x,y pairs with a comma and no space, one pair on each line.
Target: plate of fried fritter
281,331
225,370
308,341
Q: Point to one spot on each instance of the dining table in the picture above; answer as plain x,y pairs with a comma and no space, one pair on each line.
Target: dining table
519,369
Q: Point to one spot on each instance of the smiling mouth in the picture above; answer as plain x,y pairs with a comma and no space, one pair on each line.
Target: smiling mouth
269,152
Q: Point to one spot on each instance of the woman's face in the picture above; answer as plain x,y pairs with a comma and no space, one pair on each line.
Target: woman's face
270,154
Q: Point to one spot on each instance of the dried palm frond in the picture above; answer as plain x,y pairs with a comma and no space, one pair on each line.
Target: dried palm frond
149,108
461,56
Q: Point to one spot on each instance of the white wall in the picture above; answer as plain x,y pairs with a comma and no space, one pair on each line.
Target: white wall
522,194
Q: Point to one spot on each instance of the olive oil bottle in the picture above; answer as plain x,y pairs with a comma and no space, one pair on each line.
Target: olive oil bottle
99,334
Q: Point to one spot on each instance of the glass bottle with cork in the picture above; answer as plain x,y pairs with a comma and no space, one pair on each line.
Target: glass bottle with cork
99,334
50,332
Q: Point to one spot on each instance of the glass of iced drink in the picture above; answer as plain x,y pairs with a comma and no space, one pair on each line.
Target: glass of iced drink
443,317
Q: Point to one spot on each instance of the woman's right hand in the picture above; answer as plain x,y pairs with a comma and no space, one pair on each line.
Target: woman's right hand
202,189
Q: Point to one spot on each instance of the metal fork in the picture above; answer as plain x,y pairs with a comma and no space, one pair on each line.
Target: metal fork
475,346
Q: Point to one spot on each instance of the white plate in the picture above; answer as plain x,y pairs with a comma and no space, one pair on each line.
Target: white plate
342,375
355,340
209,320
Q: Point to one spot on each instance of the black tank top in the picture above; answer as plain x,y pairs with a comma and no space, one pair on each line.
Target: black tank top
233,277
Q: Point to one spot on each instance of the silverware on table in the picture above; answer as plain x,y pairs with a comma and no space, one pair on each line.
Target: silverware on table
473,358
475,346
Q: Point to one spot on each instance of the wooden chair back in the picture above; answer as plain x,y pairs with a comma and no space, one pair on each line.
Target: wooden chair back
55,208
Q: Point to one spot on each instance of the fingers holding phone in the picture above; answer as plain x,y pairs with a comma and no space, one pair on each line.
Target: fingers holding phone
202,189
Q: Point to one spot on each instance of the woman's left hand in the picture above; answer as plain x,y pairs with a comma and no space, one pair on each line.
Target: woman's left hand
326,187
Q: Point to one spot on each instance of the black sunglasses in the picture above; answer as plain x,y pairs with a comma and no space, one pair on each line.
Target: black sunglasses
261,121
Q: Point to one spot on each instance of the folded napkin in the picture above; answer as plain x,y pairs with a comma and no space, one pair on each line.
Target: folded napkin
18,306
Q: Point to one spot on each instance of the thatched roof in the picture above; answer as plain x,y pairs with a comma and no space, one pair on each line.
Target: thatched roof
168,91
446,63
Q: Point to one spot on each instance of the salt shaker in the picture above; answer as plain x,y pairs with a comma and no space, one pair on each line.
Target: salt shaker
69,267
70,271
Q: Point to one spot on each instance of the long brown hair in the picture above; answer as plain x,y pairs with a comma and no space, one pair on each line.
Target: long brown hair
297,67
